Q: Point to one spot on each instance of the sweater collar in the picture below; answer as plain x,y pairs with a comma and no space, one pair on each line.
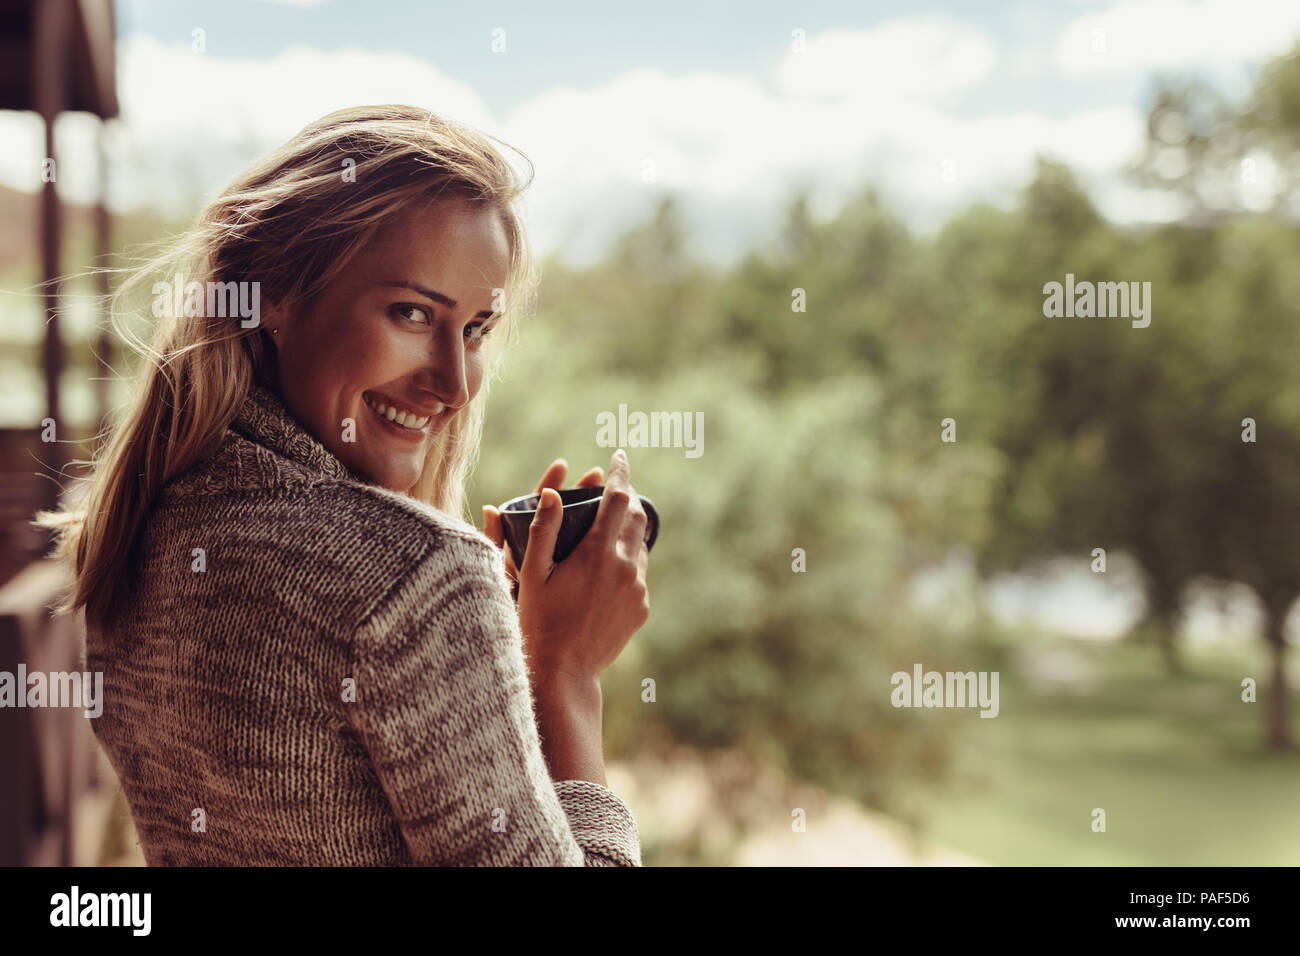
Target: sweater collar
264,419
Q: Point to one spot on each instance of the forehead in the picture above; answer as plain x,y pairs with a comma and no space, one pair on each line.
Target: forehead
451,241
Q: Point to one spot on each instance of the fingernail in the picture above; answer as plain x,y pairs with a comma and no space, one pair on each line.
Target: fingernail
621,454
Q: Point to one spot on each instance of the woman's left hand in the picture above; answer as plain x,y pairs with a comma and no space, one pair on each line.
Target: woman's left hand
552,478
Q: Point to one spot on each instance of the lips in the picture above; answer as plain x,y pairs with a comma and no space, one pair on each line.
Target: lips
398,414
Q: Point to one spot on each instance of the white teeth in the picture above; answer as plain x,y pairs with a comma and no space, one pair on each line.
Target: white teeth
404,418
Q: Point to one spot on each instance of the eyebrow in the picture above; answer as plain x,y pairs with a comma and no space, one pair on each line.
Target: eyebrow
446,300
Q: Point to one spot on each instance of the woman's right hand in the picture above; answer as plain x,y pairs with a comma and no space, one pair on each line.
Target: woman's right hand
578,615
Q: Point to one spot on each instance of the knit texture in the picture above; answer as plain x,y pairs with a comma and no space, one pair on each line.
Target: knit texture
226,684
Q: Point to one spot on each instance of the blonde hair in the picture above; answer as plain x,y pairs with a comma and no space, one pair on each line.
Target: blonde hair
292,222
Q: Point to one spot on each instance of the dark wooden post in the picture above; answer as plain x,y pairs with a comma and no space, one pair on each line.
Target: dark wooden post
51,32
103,245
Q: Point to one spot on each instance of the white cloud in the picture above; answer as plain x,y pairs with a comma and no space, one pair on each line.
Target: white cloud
1144,35
726,143
193,120
928,58
858,107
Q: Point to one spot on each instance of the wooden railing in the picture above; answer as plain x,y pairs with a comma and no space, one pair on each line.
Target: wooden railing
57,791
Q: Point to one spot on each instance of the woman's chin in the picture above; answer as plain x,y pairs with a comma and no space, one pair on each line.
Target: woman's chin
400,479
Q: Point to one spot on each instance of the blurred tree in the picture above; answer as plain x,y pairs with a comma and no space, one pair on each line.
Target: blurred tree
1105,429
823,365
640,309
822,491
1270,121
1241,268
1192,149
1251,523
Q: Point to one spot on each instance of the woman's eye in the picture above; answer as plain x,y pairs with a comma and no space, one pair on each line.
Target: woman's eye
420,317
478,332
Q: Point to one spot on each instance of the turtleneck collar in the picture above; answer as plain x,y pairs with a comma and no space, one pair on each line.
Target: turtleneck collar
264,419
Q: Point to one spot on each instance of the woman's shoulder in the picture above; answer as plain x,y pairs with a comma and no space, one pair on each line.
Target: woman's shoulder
244,469
330,535
369,504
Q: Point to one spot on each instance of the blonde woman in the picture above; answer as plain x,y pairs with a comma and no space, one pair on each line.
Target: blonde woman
310,656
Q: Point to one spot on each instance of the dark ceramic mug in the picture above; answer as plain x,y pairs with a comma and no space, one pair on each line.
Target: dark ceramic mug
579,505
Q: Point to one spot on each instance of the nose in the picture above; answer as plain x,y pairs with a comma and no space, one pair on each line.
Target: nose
443,372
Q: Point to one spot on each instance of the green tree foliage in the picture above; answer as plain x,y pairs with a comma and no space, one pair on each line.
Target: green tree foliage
822,427
821,435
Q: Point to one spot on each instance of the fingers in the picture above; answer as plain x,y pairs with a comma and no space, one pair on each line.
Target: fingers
553,476
614,505
512,573
642,567
492,526
631,531
542,533
615,501
632,535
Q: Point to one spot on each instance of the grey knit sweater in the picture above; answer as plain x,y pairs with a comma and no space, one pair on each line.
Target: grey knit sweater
317,671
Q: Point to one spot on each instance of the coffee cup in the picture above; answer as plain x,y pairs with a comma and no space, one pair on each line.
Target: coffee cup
579,507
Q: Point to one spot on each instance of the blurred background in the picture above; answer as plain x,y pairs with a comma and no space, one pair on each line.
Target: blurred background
827,230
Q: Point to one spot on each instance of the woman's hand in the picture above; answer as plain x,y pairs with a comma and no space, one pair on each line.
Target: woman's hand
577,616
553,477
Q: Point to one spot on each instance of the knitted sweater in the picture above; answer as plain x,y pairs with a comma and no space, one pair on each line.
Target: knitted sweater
318,671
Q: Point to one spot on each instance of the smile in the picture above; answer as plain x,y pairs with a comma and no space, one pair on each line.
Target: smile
401,417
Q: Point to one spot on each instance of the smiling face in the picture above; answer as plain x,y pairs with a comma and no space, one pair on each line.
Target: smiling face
395,341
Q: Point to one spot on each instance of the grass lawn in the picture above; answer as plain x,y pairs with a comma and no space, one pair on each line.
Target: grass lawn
1177,763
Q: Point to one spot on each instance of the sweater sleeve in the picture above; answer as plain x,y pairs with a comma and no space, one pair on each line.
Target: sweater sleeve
444,708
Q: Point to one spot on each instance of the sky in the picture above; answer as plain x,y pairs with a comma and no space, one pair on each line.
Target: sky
735,105
730,106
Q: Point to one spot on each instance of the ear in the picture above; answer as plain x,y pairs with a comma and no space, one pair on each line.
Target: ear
273,318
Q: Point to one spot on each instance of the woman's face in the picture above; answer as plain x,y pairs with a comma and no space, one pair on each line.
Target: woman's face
395,342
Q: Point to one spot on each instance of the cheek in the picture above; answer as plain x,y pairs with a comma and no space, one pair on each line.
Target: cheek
358,352
475,365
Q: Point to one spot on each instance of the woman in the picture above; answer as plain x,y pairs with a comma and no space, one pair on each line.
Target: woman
309,656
